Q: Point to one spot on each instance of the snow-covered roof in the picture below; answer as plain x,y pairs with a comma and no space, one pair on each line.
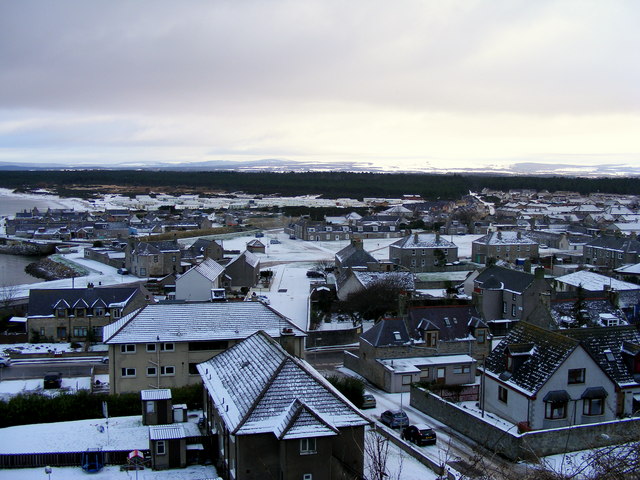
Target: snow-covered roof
209,269
413,364
155,394
593,282
258,387
424,240
505,238
630,269
186,322
166,432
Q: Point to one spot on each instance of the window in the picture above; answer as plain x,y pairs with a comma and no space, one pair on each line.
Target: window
193,369
61,312
504,307
128,372
576,375
413,262
212,345
311,230
151,347
555,409
97,331
167,347
161,447
98,311
461,369
152,371
151,407
143,271
497,249
513,310
42,331
80,312
168,371
307,446
413,252
432,338
593,406
480,335
128,348
440,375
155,259
79,331
503,394
173,258
307,476
513,297
61,332
406,379
116,312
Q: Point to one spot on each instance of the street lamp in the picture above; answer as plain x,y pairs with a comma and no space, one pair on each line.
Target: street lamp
48,471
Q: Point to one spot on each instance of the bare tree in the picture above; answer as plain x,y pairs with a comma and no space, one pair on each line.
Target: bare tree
376,449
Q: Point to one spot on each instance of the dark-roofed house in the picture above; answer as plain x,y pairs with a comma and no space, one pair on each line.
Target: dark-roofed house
73,314
355,257
243,270
273,416
353,281
505,294
595,310
423,252
611,252
153,259
540,379
435,344
203,248
160,345
503,245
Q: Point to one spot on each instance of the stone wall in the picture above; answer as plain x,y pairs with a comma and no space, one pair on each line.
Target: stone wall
327,338
529,445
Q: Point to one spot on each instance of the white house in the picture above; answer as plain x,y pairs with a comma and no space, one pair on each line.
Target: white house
197,283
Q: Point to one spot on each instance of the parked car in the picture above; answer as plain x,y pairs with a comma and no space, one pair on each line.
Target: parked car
314,274
368,401
105,359
123,271
52,380
420,434
292,237
274,241
259,235
394,418
5,361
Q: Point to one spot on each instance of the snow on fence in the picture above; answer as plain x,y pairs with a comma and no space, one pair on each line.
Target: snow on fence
60,459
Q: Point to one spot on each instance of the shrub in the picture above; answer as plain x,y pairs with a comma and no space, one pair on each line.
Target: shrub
352,388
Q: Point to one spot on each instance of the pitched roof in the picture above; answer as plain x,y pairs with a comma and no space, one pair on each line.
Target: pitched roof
506,237
595,282
209,269
42,301
247,256
424,240
621,244
354,256
606,346
504,278
549,350
185,322
260,388
156,248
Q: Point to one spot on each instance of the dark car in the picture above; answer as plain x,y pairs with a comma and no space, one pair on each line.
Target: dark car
52,380
419,434
314,274
394,418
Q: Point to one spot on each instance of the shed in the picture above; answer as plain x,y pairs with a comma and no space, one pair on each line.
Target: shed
157,406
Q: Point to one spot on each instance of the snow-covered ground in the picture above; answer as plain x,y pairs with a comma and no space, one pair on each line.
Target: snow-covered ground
194,472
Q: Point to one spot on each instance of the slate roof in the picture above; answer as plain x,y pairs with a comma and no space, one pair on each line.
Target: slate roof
619,244
246,256
352,256
452,323
512,280
600,341
259,388
424,240
506,237
185,322
42,302
156,248
550,349
209,269
592,281
562,309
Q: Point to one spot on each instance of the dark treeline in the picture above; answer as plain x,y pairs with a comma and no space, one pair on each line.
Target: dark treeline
328,184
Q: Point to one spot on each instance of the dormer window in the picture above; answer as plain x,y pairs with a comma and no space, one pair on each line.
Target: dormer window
397,336
80,312
98,311
116,312
61,312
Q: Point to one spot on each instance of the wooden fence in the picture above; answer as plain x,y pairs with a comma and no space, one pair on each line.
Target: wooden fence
60,459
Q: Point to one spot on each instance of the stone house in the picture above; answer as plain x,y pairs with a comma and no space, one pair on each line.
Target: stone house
160,345
503,245
611,252
354,281
273,416
354,256
72,314
153,259
243,270
423,252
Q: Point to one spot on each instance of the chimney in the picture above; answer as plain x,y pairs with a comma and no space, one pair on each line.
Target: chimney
415,237
437,237
539,272
499,234
519,235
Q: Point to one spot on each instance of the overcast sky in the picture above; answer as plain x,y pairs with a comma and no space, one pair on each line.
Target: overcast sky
395,83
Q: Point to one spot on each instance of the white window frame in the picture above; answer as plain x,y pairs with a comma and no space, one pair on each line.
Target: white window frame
152,372
161,447
308,446
127,372
128,348
167,371
151,347
168,347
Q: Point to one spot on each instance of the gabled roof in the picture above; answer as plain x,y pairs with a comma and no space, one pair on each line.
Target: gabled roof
156,248
424,240
563,306
506,237
592,281
209,269
512,280
246,256
42,302
620,244
550,350
353,256
606,346
206,321
453,322
257,387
